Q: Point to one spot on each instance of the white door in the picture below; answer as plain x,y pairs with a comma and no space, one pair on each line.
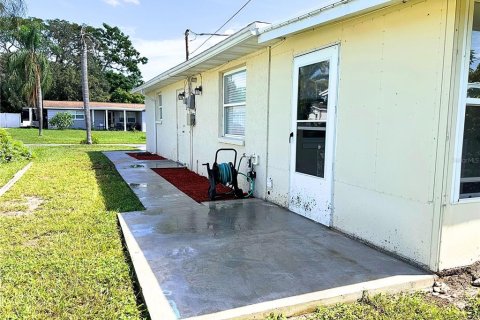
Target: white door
183,132
313,134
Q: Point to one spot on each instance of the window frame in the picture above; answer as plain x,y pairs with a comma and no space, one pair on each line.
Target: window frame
159,106
464,101
229,105
76,114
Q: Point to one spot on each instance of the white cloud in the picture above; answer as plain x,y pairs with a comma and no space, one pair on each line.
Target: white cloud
115,3
165,54
112,3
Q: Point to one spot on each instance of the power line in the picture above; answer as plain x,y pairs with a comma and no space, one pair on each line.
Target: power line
223,25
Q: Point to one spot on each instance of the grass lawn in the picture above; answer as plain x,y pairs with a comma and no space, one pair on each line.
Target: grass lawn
400,307
8,170
61,254
30,135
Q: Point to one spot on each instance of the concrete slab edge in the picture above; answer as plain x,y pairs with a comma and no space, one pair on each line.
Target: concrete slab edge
305,303
15,178
157,304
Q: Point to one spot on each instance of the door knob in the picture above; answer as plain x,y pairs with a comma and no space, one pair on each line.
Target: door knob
290,137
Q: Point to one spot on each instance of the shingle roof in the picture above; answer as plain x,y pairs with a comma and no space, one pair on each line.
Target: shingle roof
49,104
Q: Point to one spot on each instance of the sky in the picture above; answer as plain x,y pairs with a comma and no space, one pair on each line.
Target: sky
157,27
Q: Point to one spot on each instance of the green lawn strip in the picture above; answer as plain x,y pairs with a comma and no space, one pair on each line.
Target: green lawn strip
30,136
66,259
8,170
397,307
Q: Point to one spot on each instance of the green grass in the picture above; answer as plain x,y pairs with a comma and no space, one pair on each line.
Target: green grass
66,260
399,307
8,170
30,136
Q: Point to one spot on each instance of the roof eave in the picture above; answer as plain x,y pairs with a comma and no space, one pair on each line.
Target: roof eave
335,11
245,34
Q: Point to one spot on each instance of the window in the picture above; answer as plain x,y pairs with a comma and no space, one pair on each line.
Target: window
159,108
469,184
131,118
234,103
78,115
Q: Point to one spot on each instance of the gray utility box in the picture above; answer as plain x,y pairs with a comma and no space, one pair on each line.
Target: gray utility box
190,119
190,101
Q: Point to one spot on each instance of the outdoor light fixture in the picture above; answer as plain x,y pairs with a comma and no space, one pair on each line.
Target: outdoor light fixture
181,96
198,90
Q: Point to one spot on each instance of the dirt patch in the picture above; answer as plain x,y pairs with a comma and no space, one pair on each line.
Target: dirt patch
457,286
26,206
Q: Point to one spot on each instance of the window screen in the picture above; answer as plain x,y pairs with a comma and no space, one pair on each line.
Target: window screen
234,99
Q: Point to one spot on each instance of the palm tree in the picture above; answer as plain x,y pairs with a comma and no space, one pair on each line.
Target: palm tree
30,68
85,89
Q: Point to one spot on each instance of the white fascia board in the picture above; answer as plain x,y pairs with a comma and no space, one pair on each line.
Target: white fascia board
245,34
333,12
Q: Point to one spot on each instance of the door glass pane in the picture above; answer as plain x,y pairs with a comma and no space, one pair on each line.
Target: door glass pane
312,118
313,91
311,148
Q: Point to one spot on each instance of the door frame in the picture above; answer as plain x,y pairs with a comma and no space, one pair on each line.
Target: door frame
331,138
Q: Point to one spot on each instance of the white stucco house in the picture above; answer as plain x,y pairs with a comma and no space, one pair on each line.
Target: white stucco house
363,114
104,115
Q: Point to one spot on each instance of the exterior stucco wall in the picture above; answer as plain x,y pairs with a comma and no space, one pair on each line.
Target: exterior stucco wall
207,133
150,124
390,84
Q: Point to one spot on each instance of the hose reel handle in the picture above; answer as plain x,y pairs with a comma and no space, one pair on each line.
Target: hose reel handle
227,149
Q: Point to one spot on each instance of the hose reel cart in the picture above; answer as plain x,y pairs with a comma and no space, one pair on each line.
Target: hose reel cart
227,175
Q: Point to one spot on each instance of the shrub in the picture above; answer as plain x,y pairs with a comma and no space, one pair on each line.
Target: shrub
62,120
12,150
94,140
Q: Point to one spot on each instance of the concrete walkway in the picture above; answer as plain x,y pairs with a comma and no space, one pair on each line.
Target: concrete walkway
245,258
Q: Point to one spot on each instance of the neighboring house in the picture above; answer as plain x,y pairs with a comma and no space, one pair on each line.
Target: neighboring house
105,115
359,115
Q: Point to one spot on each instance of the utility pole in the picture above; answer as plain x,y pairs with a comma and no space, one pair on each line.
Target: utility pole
187,54
187,34
85,89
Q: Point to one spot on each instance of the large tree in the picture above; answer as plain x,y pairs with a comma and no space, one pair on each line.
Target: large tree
10,13
113,63
29,68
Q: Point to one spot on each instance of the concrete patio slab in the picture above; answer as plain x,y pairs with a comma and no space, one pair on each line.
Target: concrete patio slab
244,259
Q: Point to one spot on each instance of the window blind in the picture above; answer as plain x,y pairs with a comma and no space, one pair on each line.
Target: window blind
235,87
235,120
234,98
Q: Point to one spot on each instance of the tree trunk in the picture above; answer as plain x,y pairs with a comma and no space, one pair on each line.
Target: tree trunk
39,106
86,93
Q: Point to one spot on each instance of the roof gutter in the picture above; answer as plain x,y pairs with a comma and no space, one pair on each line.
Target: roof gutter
252,30
334,11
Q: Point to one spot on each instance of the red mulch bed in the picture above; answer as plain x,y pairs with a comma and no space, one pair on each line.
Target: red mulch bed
146,156
192,184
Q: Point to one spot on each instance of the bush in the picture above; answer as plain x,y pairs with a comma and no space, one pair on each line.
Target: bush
12,150
62,120
94,140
